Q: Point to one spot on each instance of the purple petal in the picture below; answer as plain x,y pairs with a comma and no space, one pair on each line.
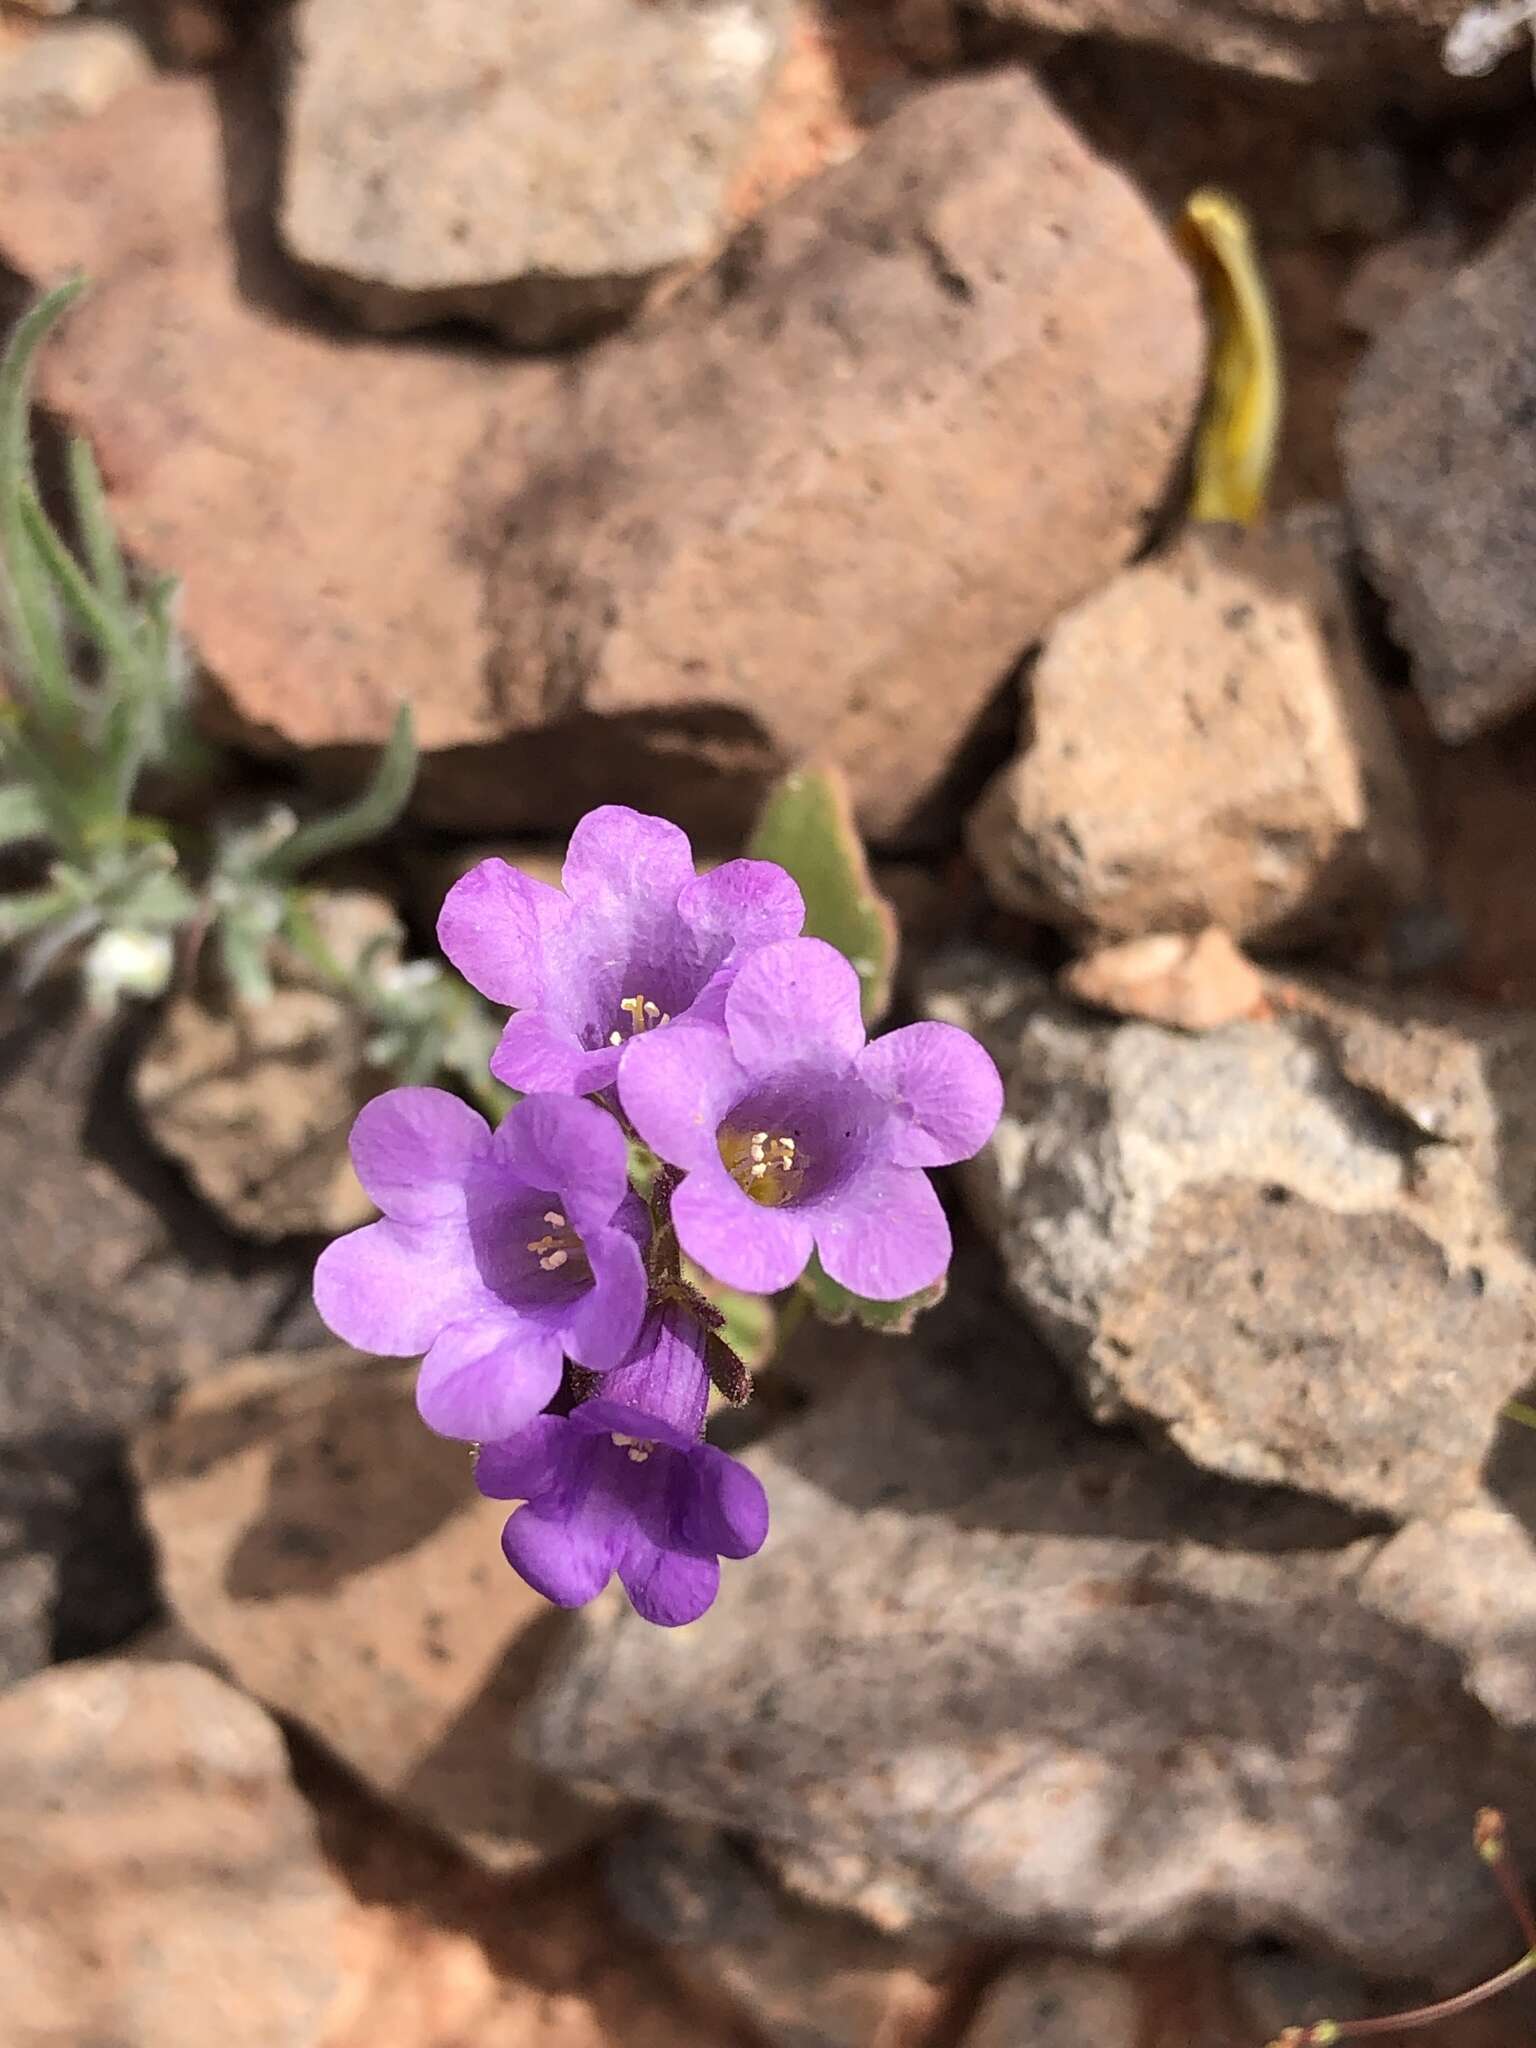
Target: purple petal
666,1377
794,1004
602,1417
742,905
618,853
412,1149
739,1241
535,1462
498,927
568,1560
676,1086
727,1510
605,1322
539,1056
484,1380
945,1090
667,1587
391,1287
885,1235
564,1145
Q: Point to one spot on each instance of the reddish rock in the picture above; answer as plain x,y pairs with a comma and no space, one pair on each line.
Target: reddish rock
1204,745
313,492
918,408
336,1559
160,1882
1194,984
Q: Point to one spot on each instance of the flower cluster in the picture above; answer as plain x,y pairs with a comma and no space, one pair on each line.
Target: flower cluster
548,1300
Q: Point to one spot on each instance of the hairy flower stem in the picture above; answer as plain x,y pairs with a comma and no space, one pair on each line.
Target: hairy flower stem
1492,1845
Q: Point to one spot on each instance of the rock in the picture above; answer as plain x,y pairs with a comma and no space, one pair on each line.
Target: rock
888,434
115,1288
160,1884
1479,799
532,167
68,73
28,1585
803,1979
326,543
999,1671
1302,1247
1387,54
1439,439
1059,2002
1192,984
257,1102
1249,776
449,1954
336,1559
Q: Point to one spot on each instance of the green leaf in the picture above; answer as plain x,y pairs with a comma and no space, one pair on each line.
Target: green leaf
21,915
23,815
834,1304
34,620
372,813
807,826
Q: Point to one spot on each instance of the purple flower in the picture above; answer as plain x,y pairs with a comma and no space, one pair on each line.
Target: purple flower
796,1133
498,1254
636,941
623,1484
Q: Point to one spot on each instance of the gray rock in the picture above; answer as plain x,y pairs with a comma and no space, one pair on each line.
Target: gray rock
160,1881
805,1979
530,164
1439,444
999,1670
1301,1247
1248,777
886,438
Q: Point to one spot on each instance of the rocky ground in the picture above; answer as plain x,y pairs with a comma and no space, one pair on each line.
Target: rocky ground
753,379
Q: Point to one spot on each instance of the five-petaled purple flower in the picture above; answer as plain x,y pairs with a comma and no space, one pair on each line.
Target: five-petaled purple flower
637,940
623,1484
794,1133
499,1255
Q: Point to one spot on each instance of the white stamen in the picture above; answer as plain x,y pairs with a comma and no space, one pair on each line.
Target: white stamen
554,1219
553,1261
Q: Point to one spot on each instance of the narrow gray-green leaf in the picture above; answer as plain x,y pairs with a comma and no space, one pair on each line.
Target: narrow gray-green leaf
368,817
34,622
23,814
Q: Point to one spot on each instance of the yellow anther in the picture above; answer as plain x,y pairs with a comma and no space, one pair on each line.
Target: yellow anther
636,1448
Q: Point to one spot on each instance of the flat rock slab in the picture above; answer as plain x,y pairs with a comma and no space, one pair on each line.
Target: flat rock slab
160,1881
998,1670
530,164
835,489
1302,1247
1202,744
336,1559
1439,446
